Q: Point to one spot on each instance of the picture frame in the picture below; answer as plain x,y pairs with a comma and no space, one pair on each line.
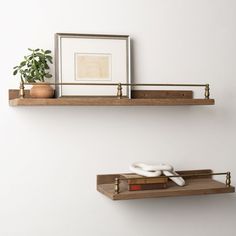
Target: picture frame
85,59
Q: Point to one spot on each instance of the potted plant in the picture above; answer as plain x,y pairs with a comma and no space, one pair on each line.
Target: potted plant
35,68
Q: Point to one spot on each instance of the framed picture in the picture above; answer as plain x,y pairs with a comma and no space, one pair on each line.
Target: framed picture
92,59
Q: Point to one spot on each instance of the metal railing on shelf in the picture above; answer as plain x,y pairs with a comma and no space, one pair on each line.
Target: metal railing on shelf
119,86
227,181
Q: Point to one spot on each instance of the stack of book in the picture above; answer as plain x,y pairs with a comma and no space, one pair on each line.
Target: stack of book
135,182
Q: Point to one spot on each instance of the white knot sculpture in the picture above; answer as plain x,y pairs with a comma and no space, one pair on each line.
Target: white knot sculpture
154,170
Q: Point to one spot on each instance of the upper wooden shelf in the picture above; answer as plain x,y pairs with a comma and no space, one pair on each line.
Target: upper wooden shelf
141,98
200,185
89,101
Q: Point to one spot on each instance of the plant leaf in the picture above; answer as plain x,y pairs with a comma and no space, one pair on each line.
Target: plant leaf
49,57
23,63
15,72
48,52
48,76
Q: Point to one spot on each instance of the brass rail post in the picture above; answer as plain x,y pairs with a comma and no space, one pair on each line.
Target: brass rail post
22,90
228,179
117,185
119,91
207,91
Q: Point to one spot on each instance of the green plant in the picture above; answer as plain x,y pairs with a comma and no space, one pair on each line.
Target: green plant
34,67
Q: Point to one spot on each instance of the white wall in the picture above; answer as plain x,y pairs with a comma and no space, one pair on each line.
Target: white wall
49,156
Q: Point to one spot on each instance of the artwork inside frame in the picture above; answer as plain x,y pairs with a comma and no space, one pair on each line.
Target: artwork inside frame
92,58
95,67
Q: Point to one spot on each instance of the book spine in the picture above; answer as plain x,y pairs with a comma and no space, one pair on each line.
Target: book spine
148,181
140,187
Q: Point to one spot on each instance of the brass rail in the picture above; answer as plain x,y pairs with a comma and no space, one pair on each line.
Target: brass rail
227,181
119,86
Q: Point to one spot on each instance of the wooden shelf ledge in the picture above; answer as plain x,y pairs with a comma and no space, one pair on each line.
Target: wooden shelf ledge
108,102
194,186
161,98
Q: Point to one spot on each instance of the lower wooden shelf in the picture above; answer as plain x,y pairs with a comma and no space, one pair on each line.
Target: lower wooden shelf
194,186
